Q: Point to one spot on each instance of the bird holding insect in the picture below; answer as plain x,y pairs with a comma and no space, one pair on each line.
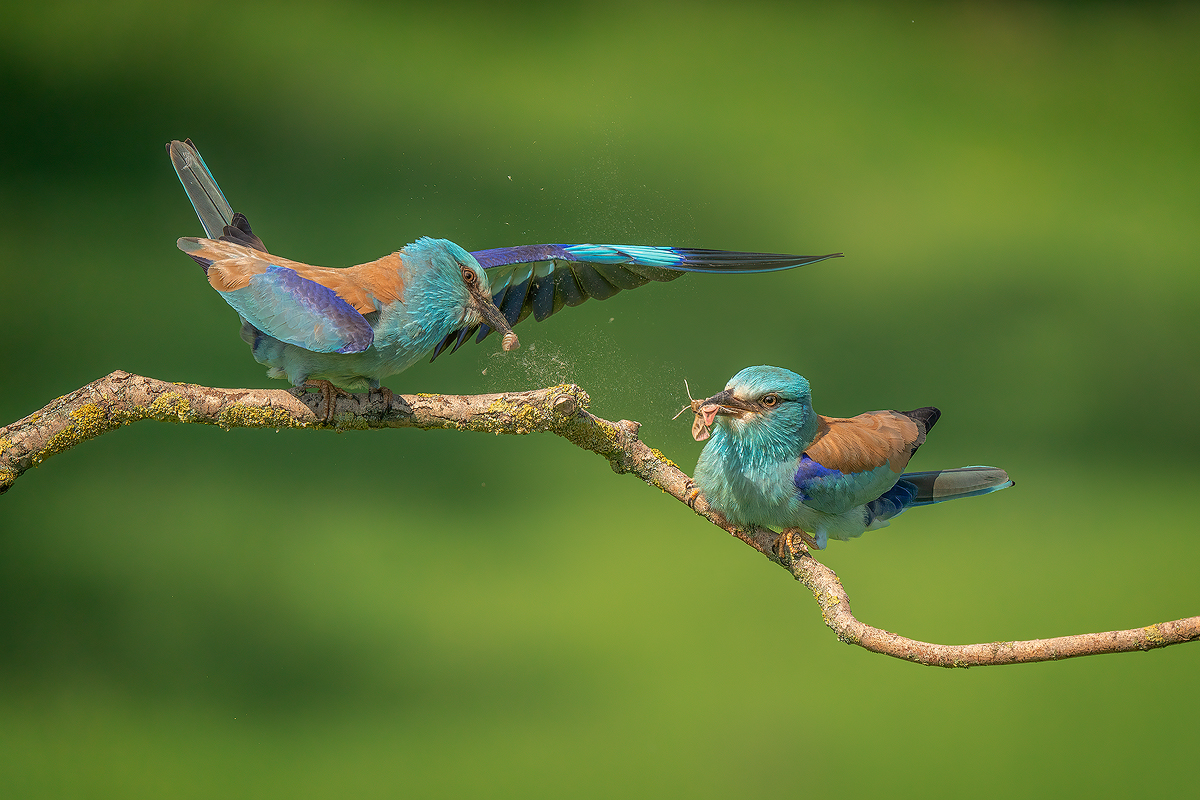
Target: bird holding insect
770,460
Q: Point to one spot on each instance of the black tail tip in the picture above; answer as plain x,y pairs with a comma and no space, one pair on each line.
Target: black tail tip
238,231
927,416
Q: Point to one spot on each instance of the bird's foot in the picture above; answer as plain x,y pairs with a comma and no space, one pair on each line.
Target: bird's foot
328,392
793,542
693,495
387,394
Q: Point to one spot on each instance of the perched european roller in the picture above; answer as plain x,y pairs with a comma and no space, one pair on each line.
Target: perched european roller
354,326
772,461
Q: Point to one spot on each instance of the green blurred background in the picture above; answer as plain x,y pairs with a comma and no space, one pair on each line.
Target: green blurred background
191,613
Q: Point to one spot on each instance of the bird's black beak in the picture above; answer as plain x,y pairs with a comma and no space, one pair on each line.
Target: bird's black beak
494,318
706,411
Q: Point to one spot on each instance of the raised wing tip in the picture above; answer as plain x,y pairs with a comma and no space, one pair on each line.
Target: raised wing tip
731,261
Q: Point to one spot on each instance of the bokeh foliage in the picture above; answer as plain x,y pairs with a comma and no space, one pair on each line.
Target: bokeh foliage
186,612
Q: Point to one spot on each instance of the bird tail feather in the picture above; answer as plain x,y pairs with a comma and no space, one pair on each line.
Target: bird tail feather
211,206
951,484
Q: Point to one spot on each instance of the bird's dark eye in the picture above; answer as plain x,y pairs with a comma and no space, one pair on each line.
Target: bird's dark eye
770,400
469,276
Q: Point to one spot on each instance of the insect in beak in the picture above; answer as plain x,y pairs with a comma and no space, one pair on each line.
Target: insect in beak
691,401
705,414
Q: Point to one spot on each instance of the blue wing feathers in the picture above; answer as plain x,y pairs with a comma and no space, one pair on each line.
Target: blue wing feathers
525,254
677,258
514,301
293,309
624,254
833,491
809,472
892,502
542,279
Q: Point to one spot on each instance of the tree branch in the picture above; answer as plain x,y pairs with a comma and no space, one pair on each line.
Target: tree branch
121,398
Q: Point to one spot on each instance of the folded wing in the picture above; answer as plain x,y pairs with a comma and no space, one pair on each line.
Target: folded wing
282,299
854,461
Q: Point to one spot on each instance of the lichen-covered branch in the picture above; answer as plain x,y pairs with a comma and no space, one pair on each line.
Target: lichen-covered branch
835,609
121,399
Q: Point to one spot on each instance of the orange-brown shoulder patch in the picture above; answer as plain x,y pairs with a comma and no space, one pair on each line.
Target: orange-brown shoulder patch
384,277
232,274
233,266
360,286
865,442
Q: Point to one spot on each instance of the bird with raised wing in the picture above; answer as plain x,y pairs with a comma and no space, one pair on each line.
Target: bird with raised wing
354,326
770,460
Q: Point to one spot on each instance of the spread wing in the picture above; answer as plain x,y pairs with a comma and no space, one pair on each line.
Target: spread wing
542,279
854,461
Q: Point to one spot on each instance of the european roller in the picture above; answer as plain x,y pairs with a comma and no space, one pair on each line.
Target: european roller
354,326
771,460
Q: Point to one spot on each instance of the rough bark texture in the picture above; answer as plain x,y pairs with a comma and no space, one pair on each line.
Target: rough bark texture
122,398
